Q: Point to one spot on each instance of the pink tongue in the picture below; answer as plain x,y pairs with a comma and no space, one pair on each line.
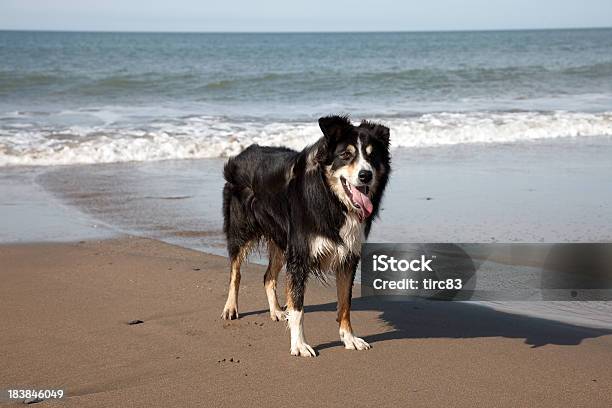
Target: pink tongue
363,201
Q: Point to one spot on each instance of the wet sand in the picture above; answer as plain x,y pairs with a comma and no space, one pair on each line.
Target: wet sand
544,191
66,308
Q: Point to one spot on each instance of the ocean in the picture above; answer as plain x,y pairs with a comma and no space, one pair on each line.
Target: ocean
73,98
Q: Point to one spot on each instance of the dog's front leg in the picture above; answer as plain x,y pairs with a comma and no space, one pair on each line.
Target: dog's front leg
297,274
344,286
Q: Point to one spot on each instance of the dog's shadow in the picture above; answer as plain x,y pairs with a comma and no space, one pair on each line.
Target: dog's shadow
442,319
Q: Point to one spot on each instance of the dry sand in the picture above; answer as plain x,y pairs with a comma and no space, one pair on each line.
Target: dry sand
65,309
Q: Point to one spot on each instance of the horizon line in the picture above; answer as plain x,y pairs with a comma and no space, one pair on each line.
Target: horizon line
299,31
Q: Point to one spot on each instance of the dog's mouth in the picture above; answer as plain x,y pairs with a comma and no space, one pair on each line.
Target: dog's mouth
359,198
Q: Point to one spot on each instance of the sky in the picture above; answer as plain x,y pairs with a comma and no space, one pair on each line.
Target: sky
300,15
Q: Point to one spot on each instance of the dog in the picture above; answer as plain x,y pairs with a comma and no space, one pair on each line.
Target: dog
313,208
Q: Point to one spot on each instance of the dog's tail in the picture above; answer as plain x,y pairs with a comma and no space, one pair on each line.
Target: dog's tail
227,197
229,170
237,184
228,175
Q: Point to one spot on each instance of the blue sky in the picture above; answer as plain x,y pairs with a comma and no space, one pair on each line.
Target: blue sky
299,15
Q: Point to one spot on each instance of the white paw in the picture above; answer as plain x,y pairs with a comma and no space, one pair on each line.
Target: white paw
230,312
303,349
352,342
277,315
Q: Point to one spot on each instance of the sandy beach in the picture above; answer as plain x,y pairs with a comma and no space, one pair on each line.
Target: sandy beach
111,245
66,309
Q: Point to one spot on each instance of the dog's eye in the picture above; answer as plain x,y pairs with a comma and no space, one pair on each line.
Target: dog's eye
345,155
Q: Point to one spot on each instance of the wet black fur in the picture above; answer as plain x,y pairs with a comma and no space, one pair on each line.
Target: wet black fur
281,195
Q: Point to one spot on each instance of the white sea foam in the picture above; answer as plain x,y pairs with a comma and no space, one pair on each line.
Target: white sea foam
202,137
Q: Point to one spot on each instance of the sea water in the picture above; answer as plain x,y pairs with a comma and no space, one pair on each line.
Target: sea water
69,98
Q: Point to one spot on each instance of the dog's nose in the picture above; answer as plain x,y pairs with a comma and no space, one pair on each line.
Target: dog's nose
365,176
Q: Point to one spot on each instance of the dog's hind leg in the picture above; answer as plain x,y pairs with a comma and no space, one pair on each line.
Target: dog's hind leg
230,311
297,273
344,287
275,264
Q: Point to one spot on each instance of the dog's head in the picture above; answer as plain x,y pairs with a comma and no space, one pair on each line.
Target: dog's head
355,160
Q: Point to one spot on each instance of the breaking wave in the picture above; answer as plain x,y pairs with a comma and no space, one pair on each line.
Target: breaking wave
23,142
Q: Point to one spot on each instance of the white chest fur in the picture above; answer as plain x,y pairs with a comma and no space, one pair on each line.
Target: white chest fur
331,254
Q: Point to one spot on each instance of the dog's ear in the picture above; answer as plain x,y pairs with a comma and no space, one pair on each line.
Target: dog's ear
333,127
379,131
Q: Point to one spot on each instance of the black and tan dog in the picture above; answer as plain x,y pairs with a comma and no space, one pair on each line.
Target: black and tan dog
314,208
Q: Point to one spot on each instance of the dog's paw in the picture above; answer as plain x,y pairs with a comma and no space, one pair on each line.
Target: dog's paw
277,315
230,313
352,342
304,350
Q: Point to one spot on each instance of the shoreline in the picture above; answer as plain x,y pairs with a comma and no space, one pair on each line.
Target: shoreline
67,308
